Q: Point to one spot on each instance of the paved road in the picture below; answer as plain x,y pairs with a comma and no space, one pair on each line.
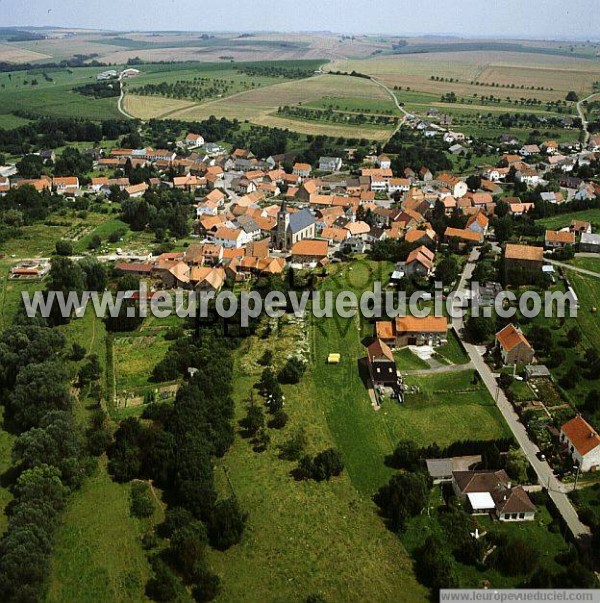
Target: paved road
556,489
574,268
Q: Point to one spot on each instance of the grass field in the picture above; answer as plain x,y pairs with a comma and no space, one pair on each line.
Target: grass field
260,106
55,98
39,240
563,220
135,356
98,555
559,73
303,537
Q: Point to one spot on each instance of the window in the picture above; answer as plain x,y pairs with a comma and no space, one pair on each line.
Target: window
514,516
521,515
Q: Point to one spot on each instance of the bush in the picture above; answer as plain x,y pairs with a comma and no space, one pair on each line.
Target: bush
279,420
292,449
292,371
94,242
266,359
226,524
163,586
406,455
78,352
515,558
141,503
64,248
323,466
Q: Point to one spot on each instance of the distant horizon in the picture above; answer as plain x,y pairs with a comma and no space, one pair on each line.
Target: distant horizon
550,20
409,35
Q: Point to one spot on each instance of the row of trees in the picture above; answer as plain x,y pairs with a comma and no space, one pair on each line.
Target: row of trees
50,454
54,132
174,446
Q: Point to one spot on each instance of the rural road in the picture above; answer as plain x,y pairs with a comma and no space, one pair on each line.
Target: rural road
405,113
556,489
573,268
121,99
584,122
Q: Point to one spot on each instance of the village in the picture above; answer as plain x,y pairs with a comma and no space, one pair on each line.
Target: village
524,449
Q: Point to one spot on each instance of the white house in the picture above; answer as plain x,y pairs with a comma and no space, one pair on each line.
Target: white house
583,443
230,237
193,141
384,162
330,164
529,149
401,185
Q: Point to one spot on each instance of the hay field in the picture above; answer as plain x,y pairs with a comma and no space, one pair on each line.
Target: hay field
151,107
61,48
415,71
11,53
258,106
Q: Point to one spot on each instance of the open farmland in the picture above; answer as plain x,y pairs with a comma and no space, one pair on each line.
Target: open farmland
558,73
50,92
260,106
10,53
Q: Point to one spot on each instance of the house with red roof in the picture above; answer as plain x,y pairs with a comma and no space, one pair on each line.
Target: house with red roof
514,347
583,443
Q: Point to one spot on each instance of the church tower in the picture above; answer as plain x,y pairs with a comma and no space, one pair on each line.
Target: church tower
283,223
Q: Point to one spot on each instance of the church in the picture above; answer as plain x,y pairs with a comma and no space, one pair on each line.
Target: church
293,227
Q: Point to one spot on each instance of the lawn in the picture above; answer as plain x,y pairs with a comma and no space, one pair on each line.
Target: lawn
587,289
98,554
447,407
104,230
407,361
592,264
452,352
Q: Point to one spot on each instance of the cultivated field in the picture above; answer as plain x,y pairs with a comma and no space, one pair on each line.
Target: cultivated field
260,106
10,53
504,68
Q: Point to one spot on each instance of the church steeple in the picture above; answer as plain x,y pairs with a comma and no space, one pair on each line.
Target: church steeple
283,223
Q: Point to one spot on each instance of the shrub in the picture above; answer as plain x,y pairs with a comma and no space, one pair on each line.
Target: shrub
292,371
64,248
141,503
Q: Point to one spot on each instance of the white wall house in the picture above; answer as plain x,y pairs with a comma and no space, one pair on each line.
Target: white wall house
583,443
